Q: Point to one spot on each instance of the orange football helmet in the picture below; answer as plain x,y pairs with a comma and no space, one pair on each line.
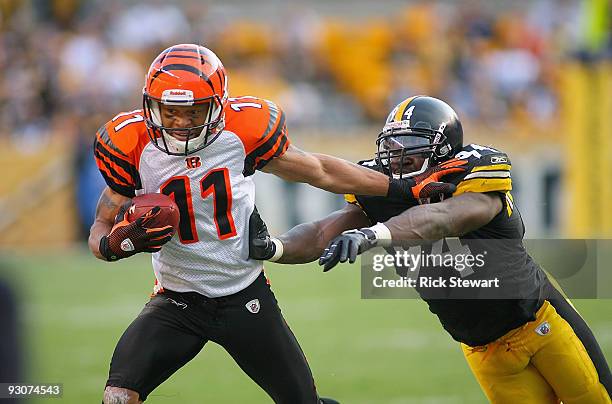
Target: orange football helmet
185,75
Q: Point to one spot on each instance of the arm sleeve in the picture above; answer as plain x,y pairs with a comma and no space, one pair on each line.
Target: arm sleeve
118,168
272,143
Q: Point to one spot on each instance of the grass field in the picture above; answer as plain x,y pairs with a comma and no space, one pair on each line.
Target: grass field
361,351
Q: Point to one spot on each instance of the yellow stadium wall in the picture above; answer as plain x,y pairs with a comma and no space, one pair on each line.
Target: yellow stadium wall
586,113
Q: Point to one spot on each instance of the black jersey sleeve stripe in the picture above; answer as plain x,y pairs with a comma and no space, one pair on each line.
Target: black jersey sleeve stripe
129,168
130,192
251,159
110,162
272,119
268,145
110,171
282,147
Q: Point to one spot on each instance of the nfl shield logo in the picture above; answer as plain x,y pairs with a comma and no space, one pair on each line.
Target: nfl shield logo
126,245
253,306
543,328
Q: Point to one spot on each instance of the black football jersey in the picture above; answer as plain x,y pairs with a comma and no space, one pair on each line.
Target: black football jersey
480,315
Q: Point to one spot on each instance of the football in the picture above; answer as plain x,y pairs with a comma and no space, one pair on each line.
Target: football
169,214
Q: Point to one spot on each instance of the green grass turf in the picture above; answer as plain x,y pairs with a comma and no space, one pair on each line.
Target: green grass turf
361,351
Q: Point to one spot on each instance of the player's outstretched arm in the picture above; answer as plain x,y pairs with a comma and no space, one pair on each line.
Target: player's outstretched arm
450,218
339,176
305,242
108,206
327,172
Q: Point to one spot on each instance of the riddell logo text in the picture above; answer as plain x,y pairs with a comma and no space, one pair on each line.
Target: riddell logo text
178,93
193,162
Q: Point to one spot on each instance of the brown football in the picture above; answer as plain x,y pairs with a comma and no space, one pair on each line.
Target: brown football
169,214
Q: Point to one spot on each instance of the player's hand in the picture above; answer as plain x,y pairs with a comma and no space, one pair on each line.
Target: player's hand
120,216
428,186
126,239
346,247
261,246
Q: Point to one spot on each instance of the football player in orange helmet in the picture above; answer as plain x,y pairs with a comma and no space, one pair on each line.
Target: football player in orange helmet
193,142
185,77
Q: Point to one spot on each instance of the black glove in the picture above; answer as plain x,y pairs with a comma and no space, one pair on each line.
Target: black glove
347,246
427,187
127,239
261,246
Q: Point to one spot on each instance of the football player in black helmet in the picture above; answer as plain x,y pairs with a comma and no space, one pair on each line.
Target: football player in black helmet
549,353
419,132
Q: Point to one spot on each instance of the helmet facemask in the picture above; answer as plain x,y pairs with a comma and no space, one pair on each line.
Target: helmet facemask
396,145
196,137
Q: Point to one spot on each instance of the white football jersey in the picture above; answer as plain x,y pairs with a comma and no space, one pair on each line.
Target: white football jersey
212,188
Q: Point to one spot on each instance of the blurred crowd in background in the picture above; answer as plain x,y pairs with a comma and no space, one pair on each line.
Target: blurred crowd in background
70,65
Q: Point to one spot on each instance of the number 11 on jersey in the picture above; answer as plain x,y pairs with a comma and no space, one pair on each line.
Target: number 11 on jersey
216,183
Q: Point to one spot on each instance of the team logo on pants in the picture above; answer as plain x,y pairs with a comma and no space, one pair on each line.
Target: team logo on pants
178,304
253,306
543,328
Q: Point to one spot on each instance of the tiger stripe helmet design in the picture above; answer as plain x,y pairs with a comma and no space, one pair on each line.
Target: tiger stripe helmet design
185,75
419,125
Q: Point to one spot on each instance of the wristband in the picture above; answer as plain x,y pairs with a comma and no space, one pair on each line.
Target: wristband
278,250
383,234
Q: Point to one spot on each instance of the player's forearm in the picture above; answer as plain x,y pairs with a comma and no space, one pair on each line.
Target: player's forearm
342,177
424,222
451,218
108,205
98,230
331,174
301,244
306,242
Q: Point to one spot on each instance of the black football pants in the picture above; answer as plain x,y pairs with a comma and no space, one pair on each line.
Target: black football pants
173,327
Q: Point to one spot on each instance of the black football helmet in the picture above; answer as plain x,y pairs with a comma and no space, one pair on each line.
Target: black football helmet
419,125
